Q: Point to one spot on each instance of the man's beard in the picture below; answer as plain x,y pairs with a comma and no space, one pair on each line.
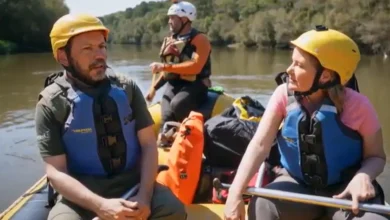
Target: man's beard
94,80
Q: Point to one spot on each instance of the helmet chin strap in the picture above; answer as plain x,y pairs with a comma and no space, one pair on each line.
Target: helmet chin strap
71,68
181,28
317,85
73,71
76,74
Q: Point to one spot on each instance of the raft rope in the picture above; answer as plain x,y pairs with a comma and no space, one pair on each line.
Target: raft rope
51,196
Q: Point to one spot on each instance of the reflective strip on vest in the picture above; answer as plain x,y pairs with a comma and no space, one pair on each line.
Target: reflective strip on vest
318,150
100,150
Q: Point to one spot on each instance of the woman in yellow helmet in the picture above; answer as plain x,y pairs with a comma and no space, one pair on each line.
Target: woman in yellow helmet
330,143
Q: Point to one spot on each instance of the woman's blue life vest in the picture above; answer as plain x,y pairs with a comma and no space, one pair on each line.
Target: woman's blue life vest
318,150
99,132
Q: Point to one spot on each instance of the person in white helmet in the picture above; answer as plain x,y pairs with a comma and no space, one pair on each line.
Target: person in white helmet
186,70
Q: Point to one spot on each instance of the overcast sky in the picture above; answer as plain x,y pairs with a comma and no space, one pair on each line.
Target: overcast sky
101,7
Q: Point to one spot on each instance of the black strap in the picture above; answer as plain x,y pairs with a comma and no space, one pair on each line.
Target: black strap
282,77
51,78
51,195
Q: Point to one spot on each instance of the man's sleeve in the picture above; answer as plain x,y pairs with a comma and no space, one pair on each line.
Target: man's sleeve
139,107
48,131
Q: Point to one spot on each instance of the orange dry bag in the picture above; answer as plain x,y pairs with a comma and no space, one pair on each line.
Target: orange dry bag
185,159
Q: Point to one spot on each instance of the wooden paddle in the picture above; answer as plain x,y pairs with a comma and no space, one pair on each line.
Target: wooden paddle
151,87
307,199
179,45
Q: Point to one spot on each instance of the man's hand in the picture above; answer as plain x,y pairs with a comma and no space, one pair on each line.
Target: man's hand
142,205
149,97
156,67
112,209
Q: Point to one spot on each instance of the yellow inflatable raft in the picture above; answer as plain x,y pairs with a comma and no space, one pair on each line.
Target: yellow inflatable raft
32,204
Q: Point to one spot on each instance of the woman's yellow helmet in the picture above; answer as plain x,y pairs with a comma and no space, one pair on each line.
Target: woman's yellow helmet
335,50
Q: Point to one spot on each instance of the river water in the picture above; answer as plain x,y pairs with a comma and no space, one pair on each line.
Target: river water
239,71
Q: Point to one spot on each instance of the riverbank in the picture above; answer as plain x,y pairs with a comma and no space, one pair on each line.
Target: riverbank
7,47
227,23
262,24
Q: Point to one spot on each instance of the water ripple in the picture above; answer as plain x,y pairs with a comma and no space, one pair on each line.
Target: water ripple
12,118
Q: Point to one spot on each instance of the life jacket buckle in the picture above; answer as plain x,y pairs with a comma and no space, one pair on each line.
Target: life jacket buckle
314,180
106,118
309,138
115,163
312,159
183,175
186,132
109,140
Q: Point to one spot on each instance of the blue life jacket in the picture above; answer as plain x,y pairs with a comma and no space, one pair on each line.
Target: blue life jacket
319,150
99,134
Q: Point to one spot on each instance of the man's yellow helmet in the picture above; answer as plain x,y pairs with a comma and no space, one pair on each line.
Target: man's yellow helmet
71,25
335,50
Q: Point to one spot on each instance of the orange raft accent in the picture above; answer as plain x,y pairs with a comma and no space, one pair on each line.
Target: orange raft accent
185,158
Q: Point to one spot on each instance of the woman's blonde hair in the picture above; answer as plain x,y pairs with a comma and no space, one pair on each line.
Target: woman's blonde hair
335,93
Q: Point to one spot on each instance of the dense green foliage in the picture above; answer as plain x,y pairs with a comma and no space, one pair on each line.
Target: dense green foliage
26,24
263,23
7,47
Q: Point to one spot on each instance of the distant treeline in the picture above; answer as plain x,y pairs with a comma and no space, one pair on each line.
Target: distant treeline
25,24
261,23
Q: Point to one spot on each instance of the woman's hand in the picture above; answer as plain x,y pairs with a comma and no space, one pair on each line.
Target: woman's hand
360,188
234,208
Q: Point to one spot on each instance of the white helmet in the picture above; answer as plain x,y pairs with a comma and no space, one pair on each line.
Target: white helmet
183,9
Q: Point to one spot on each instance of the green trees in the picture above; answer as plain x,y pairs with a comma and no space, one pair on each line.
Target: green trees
262,23
26,24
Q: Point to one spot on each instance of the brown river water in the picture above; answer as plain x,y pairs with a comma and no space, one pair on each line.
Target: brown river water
239,71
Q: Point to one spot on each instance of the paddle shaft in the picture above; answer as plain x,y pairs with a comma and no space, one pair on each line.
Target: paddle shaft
154,74
312,199
151,86
154,78
132,192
